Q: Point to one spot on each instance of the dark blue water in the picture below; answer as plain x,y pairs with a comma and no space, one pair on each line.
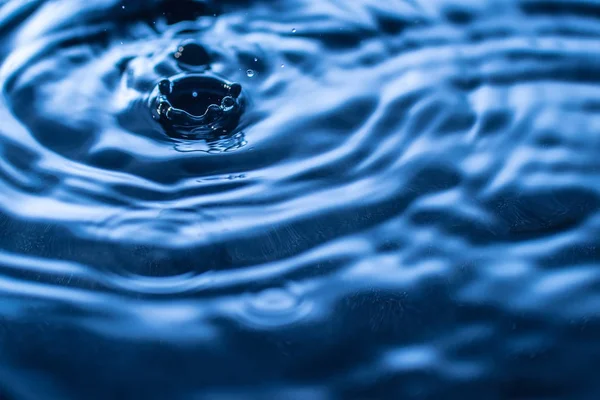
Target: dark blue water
299,199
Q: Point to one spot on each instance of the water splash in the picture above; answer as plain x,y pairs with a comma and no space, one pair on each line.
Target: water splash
408,208
197,105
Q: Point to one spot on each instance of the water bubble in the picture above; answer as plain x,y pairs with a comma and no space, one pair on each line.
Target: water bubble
282,65
294,30
255,59
123,7
195,94
250,73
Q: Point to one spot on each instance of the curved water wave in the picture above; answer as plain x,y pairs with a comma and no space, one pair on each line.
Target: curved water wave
402,200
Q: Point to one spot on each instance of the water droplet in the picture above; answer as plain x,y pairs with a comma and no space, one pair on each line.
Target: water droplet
250,73
282,65
294,30
192,54
195,94
123,7
255,59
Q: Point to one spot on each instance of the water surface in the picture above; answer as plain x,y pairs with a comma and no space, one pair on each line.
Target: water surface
400,200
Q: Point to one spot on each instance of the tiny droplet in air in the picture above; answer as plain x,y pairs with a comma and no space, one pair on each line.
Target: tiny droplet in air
250,73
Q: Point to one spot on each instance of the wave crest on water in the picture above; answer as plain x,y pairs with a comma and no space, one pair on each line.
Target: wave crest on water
400,199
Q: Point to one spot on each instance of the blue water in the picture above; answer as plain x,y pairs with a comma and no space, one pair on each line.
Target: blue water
299,199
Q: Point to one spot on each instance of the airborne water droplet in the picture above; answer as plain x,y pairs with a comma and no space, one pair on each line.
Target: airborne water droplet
255,59
294,30
192,54
195,94
282,65
250,73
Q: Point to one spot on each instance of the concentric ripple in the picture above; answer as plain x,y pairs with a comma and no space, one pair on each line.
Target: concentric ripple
400,200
